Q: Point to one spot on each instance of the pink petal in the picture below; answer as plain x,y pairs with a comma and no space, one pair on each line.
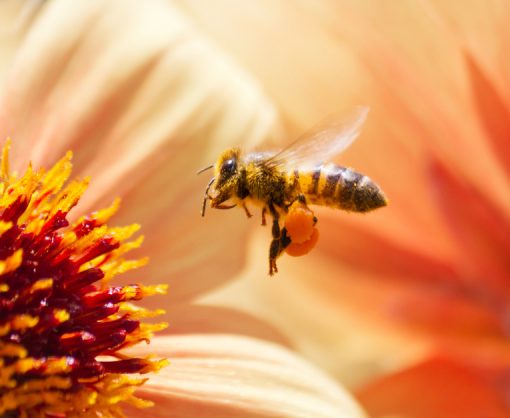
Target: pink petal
228,376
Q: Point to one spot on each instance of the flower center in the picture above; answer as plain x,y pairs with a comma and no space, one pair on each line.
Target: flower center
59,317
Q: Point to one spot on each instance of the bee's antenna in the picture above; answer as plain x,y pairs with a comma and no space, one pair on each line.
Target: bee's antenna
205,169
206,195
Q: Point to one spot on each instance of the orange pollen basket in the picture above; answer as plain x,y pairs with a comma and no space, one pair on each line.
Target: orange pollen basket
300,225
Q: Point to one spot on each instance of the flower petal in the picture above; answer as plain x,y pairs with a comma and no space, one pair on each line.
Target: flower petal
481,229
188,319
317,303
15,18
228,376
438,387
373,253
71,93
144,101
493,110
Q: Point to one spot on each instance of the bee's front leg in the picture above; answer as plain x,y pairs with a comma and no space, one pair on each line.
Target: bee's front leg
248,214
264,210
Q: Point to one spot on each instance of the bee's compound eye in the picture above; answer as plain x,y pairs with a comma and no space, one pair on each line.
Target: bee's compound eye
228,167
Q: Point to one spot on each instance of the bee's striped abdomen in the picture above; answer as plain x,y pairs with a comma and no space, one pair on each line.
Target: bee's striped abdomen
340,187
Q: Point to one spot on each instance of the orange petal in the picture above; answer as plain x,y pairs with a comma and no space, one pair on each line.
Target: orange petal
481,229
493,111
402,285
371,252
438,387
227,376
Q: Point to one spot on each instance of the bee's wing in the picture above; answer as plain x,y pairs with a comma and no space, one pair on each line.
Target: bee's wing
323,142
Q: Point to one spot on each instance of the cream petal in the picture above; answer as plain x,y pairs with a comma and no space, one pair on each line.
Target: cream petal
130,79
230,376
300,62
185,319
15,18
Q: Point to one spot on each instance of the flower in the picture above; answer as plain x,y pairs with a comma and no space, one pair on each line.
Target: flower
421,288
144,100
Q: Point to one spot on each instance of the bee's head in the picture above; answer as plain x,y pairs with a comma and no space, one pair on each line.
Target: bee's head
225,169
224,183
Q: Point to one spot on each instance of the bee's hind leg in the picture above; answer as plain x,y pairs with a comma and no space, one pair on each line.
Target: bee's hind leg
276,248
280,241
275,230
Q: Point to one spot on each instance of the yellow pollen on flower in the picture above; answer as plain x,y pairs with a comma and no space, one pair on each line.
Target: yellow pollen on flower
124,233
140,312
12,262
4,166
4,227
22,322
59,316
128,246
145,333
102,216
12,350
113,268
41,284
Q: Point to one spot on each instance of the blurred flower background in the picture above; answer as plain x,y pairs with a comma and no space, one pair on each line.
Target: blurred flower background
408,306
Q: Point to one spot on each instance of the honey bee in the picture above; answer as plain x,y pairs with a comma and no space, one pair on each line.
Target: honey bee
299,172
